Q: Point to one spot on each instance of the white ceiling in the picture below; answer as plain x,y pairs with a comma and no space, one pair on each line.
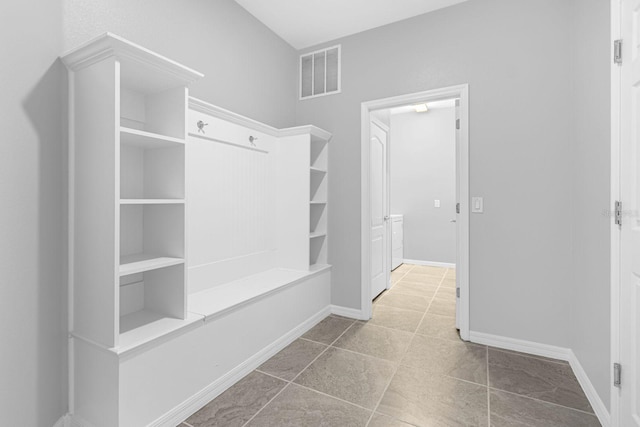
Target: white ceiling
304,23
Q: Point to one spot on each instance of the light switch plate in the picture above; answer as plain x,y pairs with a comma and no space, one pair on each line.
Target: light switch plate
477,205
436,203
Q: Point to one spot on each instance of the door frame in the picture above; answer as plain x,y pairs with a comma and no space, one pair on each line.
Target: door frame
616,82
462,271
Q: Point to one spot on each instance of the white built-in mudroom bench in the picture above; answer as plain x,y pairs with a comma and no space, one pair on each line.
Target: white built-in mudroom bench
198,244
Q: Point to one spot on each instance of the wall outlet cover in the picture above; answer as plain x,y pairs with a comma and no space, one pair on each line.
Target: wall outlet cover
477,205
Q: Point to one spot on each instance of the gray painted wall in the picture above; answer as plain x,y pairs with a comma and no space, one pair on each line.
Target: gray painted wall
520,150
248,69
32,219
539,135
422,164
591,324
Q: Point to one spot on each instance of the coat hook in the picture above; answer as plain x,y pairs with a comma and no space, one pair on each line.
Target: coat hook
201,126
253,138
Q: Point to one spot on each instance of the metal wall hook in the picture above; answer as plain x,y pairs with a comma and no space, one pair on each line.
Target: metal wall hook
201,126
252,139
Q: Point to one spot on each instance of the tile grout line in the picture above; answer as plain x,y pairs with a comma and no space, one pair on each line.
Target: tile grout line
531,356
299,373
313,389
542,401
488,390
406,350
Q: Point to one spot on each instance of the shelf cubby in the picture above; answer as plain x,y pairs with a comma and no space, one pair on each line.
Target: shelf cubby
318,186
149,171
319,153
152,229
318,250
318,218
153,108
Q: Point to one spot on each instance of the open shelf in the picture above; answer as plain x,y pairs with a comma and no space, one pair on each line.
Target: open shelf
152,201
316,235
314,202
145,326
152,173
318,171
139,263
318,153
147,140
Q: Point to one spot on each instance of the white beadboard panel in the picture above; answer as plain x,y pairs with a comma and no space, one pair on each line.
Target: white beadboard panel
207,276
231,207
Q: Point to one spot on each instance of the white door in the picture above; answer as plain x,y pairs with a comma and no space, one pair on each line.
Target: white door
630,234
457,214
379,210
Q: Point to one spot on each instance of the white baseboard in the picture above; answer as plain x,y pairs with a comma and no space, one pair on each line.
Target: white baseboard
193,404
522,346
603,414
429,263
553,352
351,313
71,421
63,421
74,421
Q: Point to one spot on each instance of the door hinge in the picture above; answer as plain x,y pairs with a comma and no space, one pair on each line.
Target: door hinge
457,124
617,52
617,372
618,213
457,208
457,292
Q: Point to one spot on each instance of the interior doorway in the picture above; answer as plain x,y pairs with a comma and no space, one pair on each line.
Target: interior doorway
377,254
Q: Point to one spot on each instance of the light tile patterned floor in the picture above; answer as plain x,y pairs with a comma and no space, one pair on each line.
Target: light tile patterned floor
405,367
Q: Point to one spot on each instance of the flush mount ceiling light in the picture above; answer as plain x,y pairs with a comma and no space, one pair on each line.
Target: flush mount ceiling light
421,108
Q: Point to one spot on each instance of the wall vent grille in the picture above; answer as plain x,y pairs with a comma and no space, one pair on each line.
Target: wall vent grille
320,72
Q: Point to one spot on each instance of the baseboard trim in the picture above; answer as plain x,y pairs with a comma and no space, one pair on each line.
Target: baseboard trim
70,420
522,346
603,414
429,263
554,352
193,404
63,421
351,313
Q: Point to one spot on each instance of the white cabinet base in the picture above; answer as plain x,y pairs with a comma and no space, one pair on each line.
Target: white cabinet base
165,384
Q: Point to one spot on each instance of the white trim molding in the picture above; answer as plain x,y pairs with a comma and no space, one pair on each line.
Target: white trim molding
590,391
461,92
430,263
616,94
529,347
553,352
64,421
351,313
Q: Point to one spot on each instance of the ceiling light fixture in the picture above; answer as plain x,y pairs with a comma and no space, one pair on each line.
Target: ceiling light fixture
421,108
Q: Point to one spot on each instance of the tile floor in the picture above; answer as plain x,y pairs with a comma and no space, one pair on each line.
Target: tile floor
405,367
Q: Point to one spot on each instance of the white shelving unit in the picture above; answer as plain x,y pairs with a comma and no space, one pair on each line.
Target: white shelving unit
318,184
128,109
144,341
128,131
